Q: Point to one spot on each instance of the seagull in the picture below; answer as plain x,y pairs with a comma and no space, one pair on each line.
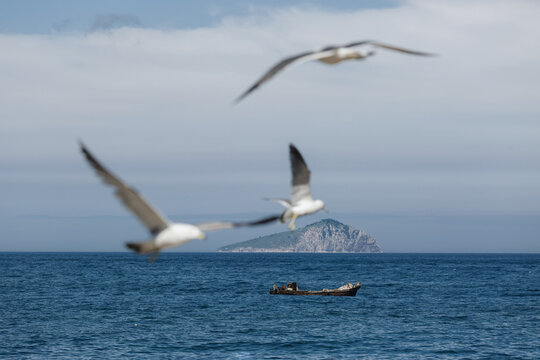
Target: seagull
329,55
164,232
301,202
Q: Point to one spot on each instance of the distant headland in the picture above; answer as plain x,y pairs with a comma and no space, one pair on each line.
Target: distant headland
325,236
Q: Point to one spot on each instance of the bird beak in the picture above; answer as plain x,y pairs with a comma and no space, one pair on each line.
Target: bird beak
325,209
202,236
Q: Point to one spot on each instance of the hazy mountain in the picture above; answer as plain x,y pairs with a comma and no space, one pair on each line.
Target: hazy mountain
327,235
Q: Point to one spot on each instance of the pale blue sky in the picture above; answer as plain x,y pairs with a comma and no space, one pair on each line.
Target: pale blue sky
42,17
425,154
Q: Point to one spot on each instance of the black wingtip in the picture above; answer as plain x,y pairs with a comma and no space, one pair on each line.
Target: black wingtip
92,160
266,220
263,221
421,53
81,145
87,153
245,94
134,246
293,150
238,99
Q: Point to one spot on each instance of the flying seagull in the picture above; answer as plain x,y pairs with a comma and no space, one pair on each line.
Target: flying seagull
329,55
301,202
164,232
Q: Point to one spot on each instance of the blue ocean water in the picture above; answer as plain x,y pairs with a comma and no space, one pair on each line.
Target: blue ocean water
216,305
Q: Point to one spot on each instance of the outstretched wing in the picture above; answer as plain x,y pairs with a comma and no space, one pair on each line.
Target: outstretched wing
285,202
304,57
300,176
388,47
357,43
151,218
230,225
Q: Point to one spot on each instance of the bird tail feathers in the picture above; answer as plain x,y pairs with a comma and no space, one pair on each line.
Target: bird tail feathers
143,247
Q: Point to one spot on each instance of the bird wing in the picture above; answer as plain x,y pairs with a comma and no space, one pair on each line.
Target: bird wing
388,47
357,43
230,225
304,57
300,176
285,202
150,217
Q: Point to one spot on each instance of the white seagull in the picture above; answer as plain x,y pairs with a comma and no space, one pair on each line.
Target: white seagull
301,202
164,232
329,55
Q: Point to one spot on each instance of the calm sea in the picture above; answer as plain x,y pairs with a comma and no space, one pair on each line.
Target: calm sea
217,306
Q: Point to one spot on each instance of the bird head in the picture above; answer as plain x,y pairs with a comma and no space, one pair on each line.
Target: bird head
320,205
201,235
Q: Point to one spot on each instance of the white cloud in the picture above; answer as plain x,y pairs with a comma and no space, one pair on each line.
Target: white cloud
154,100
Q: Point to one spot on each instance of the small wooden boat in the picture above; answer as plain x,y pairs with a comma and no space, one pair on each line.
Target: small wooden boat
292,289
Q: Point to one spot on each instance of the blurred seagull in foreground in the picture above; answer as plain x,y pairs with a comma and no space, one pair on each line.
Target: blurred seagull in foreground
164,232
329,55
301,202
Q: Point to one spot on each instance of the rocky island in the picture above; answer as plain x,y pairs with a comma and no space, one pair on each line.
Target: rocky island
327,235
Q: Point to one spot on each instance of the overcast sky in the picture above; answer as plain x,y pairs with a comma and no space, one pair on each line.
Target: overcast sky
149,88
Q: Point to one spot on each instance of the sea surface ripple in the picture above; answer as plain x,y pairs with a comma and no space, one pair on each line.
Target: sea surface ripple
217,306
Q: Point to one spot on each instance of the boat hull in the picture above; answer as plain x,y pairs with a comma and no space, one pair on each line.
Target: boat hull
333,292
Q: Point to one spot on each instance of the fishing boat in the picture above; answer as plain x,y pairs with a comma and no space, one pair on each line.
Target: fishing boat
292,289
